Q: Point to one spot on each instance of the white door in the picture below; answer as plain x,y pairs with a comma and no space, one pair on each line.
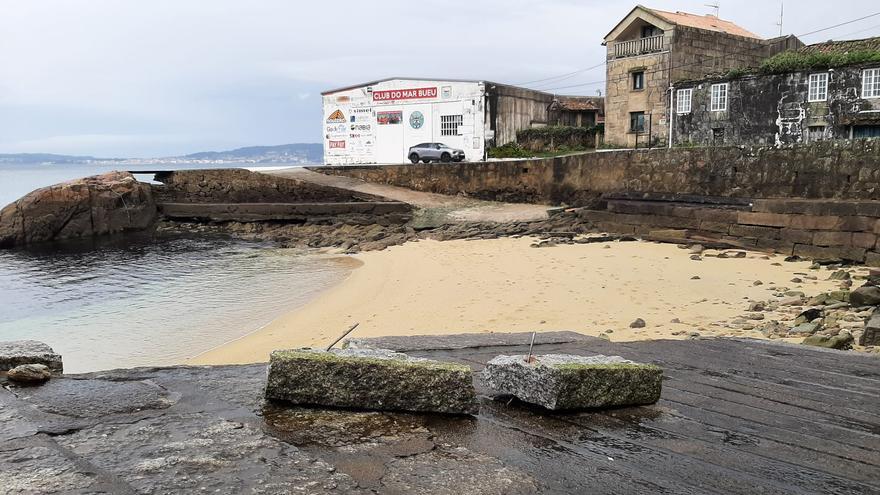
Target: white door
389,135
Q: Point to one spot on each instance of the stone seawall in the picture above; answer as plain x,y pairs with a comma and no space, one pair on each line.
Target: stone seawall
811,229
847,170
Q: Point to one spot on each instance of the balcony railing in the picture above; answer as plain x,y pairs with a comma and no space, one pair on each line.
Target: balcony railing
640,46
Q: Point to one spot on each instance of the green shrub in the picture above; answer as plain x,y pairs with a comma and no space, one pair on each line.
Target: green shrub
792,61
556,132
510,150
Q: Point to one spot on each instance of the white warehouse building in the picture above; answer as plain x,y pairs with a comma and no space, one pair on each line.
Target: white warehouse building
377,122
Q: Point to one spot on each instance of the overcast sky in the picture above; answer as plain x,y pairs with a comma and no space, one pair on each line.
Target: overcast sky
167,77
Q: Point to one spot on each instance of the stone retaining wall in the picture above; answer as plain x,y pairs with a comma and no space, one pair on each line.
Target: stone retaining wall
848,170
813,229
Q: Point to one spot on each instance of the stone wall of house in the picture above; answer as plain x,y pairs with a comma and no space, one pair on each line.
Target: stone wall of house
697,53
621,98
822,170
774,109
243,186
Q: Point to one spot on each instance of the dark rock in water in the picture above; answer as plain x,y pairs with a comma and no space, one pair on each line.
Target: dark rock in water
566,382
30,373
638,323
867,295
842,342
19,352
370,379
102,204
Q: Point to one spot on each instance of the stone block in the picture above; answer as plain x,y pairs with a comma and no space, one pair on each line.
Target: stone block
754,231
19,352
829,253
871,335
864,240
370,379
764,219
776,245
715,215
832,238
567,382
796,236
840,342
710,226
814,222
872,258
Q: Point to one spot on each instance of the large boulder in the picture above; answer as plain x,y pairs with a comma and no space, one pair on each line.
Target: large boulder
370,379
871,335
30,373
97,205
566,382
867,295
19,352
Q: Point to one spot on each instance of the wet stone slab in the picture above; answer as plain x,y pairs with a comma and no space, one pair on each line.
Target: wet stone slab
568,382
370,379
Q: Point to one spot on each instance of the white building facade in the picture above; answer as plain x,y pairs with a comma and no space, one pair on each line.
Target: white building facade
378,122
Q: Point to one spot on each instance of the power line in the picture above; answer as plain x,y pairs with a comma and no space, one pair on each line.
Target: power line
562,76
621,78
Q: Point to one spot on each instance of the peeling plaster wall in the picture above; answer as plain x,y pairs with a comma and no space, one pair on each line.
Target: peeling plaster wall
773,110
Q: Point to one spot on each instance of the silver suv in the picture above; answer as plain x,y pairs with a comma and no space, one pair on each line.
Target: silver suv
428,152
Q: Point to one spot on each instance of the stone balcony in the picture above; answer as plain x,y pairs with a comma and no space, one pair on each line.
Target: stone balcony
641,46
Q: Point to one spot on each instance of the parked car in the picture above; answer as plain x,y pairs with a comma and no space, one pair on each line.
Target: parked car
429,152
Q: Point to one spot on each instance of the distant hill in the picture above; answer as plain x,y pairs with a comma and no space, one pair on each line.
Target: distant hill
298,152
284,153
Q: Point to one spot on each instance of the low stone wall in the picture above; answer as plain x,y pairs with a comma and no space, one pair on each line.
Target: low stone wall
848,170
812,229
244,186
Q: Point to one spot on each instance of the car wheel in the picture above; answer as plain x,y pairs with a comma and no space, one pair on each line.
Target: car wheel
414,158
426,161
458,159
445,157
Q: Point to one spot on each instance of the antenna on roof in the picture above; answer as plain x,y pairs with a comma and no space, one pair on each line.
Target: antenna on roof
717,6
781,13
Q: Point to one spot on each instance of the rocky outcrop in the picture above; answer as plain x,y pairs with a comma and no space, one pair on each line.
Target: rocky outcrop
30,374
102,204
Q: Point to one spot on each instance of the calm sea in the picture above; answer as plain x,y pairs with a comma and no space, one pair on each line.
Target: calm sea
137,301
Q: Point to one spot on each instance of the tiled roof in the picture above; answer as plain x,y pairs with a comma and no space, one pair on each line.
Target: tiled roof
575,103
706,22
843,46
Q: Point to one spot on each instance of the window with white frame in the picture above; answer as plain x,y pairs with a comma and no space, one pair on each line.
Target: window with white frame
683,100
449,124
871,83
719,97
818,87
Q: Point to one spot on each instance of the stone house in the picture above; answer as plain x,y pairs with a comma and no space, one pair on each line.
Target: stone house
649,50
837,100
577,111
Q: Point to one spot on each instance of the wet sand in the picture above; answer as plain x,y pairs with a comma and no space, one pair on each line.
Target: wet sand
505,285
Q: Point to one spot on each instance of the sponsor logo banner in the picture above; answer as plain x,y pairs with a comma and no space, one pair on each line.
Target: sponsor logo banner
336,117
405,94
337,145
416,120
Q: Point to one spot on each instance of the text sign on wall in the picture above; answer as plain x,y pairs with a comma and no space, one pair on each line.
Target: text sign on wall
405,94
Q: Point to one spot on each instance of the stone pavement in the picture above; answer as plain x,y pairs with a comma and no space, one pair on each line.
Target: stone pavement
435,209
735,416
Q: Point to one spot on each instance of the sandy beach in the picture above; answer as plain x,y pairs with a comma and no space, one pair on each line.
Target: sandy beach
505,285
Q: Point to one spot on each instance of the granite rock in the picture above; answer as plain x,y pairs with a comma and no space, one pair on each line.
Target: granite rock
370,379
871,335
30,373
843,341
19,352
567,382
867,295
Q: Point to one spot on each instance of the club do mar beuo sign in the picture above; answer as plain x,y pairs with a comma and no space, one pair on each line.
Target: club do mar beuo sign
404,94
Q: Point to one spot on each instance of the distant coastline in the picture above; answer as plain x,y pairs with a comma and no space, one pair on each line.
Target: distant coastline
296,153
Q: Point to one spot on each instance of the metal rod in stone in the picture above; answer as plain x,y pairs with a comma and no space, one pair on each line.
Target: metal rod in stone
343,336
531,344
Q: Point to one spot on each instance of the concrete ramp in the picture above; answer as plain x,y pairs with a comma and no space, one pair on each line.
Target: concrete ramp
434,208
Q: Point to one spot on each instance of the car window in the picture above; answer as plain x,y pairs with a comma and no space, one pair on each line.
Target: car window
438,145
422,145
